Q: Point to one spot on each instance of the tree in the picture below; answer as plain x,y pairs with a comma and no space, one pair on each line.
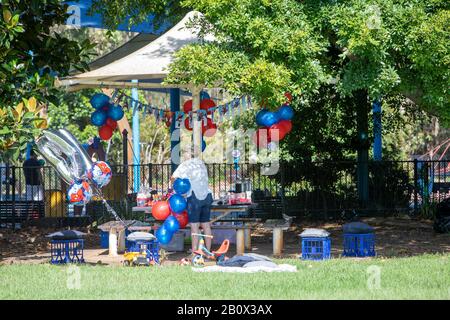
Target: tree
31,55
336,57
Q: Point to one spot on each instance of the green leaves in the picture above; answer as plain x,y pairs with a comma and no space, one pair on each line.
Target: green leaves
30,58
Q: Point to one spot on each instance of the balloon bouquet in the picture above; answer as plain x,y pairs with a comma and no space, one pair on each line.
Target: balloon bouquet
275,125
62,150
172,211
105,115
210,128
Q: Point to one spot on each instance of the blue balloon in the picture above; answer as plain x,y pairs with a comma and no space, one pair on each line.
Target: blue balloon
171,224
204,95
259,116
163,235
115,112
98,118
177,203
285,112
203,145
269,118
182,186
99,100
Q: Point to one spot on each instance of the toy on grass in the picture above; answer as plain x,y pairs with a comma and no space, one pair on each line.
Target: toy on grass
161,210
100,173
203,253
143,250
79,193
182,186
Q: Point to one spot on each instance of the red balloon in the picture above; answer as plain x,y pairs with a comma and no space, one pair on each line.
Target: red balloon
261,137
161,210
105,132
276,132
186,124
288,95
205,104
183,218
111,123
187,106
287,124
210,129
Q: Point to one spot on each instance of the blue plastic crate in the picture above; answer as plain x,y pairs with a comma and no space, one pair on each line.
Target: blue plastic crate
359,245
151,247
316,248
67,251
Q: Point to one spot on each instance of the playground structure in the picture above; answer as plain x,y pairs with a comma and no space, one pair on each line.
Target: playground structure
434,173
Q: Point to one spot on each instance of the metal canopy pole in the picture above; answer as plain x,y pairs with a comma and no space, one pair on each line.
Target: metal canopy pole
197,124
377,133
136,141
174,138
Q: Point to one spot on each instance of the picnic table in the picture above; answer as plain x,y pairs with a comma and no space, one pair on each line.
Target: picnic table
227,209
243,232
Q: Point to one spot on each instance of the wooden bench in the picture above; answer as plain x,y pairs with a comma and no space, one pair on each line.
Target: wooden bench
243,236
21,210
278,227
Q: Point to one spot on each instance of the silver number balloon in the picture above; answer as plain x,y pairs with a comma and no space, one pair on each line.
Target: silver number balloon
51,150
64,153
81,159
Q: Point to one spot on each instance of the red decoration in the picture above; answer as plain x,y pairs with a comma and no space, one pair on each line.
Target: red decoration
287,124
187,106
210,129
105,132
277,132
168,119
111,123
186,124
182,218
161,210
205,104
288,95
261,137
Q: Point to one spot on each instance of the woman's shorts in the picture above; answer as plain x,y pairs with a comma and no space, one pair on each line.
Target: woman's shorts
199,210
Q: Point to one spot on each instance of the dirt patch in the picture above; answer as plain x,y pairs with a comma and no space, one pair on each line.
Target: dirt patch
395,237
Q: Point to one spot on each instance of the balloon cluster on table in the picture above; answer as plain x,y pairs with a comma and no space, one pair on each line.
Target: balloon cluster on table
274,125
105,115
62,150
210,128
172,212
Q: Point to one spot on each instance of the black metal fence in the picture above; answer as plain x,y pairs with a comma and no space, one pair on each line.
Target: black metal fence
308,189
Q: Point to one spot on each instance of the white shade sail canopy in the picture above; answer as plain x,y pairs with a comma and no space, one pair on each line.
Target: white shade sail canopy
149,63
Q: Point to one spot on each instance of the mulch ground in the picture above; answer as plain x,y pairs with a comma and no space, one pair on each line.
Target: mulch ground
395,237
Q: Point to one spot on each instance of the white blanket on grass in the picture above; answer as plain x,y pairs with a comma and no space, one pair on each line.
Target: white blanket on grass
279,268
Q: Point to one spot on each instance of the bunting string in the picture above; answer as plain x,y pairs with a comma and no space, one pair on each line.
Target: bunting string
228,110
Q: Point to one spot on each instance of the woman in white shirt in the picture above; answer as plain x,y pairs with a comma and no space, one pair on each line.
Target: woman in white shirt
199,198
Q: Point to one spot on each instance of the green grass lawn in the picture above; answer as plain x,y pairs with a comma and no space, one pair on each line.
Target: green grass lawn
421,277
